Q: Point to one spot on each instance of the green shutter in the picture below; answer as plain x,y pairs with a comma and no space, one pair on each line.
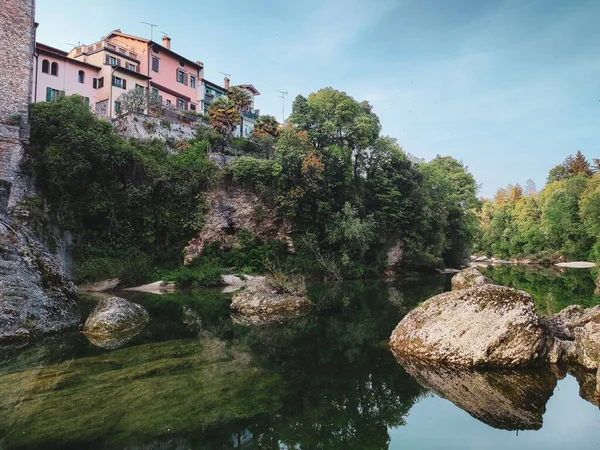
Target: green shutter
48,94
86,102
62,93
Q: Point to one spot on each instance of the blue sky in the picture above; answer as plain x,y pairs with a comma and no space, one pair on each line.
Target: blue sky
510,87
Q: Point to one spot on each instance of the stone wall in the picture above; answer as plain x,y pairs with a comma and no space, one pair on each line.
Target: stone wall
143,127
17,33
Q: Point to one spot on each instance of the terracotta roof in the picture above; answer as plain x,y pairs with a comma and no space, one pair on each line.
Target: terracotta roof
61,54
250,88
154,44
170,91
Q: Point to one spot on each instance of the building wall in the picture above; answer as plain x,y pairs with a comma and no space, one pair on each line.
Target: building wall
167,74
67,79
17,35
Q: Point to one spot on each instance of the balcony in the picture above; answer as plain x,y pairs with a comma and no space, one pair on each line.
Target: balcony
250,115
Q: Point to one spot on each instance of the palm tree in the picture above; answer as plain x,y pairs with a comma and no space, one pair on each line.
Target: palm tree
243,103
223,117
266,125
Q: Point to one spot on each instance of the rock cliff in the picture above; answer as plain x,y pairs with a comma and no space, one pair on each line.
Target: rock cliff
36,296
231,210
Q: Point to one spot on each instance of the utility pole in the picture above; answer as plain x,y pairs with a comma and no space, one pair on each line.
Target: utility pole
152,26
282,95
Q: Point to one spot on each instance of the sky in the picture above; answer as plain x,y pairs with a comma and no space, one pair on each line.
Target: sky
509,87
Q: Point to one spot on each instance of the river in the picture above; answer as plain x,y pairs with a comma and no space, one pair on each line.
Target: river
193,378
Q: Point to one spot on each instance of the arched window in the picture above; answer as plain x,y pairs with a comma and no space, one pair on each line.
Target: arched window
54,68
45,66
81,76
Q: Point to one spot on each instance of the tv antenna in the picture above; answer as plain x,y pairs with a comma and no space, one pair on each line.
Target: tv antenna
228,75
282,94
152,26
74,45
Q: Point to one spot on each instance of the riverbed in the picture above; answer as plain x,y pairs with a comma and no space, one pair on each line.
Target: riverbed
194,378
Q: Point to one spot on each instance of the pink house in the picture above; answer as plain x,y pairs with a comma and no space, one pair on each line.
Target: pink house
58,75
173,77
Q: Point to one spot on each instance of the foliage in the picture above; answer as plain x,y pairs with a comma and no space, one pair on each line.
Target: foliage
266,126
559,221
196,277
116,196
137,101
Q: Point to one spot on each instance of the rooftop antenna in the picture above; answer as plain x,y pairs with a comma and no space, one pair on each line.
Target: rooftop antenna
74,45
282,94
165,33
151,25
228,75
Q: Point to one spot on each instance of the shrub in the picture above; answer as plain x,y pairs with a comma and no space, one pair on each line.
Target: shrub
196,277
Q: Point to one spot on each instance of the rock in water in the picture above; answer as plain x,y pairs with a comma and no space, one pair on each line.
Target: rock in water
483,326
36,296
259,303
508,400
468,278
115,316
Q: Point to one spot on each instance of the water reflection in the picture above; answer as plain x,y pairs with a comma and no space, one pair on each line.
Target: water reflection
195,379
507,400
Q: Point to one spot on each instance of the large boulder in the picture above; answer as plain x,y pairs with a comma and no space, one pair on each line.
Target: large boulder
115,316
482,326
260,303
508,400
468,278
36,295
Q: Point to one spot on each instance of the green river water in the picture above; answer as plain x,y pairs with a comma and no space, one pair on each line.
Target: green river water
193,378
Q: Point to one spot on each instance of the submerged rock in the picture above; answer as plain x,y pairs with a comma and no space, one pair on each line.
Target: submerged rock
468,278
36,295
260,303
508,400
114,317
482,326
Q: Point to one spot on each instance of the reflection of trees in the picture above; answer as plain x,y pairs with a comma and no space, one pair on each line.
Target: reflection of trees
551,289
343,389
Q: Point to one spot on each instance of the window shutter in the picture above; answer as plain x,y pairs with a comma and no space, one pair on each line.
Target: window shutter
106,59
95,83
118,61
62,93
86,102
48,94
185,78
124,83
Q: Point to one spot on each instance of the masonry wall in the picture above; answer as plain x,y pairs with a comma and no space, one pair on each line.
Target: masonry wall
17,34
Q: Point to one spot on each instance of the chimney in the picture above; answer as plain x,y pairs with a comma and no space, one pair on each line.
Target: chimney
226,83
166,42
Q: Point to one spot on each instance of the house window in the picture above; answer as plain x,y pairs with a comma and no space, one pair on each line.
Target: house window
130,66
86,102
181,77
155,64
81,76
119,82
139,87
180,104
117,107
192,107
100,83
54,69
45,66
193,81
168,102
112,61
53,94
217,95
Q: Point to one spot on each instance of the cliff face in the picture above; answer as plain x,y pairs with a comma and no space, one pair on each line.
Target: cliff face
232,209
36,296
